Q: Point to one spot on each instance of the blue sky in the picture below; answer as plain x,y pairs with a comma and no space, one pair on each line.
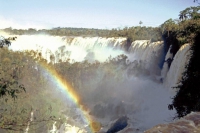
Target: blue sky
104,14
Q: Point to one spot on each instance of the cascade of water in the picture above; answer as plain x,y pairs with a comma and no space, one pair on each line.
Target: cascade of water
54,129
147,52
174,75
166,65
31,119
54,48
92,42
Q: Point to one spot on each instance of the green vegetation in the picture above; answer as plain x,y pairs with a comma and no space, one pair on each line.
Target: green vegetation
9,73
184,29
24,89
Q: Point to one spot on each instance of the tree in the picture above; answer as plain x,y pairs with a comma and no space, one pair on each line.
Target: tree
140,23
26,111
19,111
8,79
187,98
194,12
190,13
169,25
183,15
4,41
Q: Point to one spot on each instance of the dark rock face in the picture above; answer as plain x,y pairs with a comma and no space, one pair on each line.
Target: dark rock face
188,124
120,124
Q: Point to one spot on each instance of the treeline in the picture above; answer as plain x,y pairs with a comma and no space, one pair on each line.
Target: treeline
185,28
132,33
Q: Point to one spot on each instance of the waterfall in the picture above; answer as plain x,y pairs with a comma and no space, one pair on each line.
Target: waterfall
150,93
166,65
147,52
28,125
74,48
95,42
150,53
174,74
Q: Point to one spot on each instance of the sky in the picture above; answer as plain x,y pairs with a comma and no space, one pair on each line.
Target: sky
101,14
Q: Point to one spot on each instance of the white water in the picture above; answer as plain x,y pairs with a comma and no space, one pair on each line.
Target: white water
174,75
149,53
73,48
29,122
149,96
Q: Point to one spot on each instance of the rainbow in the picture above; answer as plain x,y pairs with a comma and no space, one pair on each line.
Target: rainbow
72,94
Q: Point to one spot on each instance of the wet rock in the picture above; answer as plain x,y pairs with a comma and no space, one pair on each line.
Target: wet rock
120,124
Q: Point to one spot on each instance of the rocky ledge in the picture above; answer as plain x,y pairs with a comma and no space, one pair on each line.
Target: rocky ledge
188,124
